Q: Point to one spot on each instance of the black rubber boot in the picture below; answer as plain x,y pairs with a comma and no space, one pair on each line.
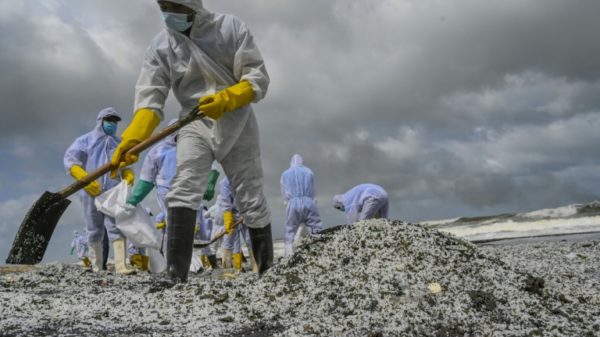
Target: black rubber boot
180,242
105,247
212,259
262,247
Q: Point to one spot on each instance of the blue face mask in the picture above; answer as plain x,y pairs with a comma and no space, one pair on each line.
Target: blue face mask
109,127
177,21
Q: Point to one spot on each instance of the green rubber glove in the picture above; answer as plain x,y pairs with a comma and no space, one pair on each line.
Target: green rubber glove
212,182
140,191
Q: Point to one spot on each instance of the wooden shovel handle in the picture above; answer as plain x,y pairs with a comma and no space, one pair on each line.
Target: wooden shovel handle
218,237
104,169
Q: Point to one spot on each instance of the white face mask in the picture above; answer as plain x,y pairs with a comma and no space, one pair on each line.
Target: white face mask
177,21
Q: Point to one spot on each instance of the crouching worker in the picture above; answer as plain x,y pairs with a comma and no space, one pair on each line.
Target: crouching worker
362,202
86,154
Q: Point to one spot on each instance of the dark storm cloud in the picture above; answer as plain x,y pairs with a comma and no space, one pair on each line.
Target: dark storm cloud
456,108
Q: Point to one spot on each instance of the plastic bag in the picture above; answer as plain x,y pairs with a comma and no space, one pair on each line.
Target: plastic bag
113,201
134,222
138,227
158,263
196,264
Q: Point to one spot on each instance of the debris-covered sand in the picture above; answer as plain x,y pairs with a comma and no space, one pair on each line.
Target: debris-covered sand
375,278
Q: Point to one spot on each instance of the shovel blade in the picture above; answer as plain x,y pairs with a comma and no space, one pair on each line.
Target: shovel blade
36,229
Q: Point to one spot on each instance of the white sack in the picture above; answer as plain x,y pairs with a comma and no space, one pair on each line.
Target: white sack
134,222
158,263
113,201
196,264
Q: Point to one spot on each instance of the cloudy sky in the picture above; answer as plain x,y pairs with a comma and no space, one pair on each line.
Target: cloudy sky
457,108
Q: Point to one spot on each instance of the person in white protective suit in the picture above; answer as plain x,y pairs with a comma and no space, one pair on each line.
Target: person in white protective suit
88,153
365,201
205,228
158,169
210,61
298,190
79,245
232,245
215,216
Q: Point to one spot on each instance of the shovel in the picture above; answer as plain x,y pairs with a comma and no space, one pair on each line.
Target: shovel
206,243
40,221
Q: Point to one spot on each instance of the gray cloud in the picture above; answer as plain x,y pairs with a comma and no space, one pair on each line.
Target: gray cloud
457,109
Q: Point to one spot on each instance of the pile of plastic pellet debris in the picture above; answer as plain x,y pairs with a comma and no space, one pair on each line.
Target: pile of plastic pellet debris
374,278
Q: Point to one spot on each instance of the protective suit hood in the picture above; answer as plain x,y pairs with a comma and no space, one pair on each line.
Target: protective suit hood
110,111
296,160
196,5
171,137
106,112
338,201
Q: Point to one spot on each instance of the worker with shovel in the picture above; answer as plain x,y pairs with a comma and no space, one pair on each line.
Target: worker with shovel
210,61
364,201
86,154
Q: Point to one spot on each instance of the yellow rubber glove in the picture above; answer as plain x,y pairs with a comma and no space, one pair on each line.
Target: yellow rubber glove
161,225
79,173
229,99
128,176
228,222
143,124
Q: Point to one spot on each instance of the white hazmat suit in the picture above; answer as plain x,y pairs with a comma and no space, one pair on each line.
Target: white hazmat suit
232,243
215,53
298,190
365,201
219,52
79,245
91,151
159,167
